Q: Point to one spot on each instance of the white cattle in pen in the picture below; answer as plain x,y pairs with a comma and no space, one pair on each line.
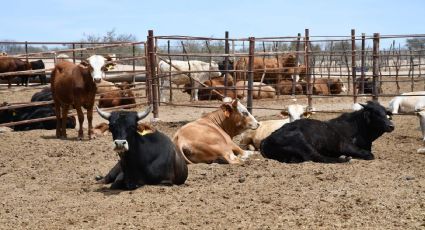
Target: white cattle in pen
207,71
409,103
251,139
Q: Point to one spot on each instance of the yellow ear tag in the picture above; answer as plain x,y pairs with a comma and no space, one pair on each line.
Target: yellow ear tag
13,113
144,132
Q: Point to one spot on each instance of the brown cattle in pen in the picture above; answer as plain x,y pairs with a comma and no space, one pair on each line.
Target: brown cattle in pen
269,67
284,87
10,64
209,139
74,85
124,96
324,86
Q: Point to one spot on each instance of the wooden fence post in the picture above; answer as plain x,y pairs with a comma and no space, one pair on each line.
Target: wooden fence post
375,64
153,77
250,72
307,66
353,64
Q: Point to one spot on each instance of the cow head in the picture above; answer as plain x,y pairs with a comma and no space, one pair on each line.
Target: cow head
337,86
377,116
97,66
238,115
296,112
122,125
213,67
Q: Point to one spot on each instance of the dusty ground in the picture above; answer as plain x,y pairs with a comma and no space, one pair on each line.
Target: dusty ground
48,183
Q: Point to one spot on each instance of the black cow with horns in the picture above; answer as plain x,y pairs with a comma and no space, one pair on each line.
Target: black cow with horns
350,134
146,157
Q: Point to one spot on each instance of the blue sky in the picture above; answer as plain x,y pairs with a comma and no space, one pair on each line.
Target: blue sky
60,20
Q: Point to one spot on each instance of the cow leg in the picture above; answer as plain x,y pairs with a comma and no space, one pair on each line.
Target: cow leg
353,151
58,119
80,121
9,83
90,120
165,85
230,158
118,182
195,91
65,109
112,174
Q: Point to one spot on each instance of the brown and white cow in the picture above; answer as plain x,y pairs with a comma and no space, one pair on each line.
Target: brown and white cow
74,85
251,139
209,139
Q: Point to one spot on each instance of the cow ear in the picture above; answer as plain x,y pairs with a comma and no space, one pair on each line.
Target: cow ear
84,63
227,109
235,103
284,113
307,114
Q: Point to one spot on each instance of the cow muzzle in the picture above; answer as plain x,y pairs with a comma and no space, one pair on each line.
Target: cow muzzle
120,146
390,127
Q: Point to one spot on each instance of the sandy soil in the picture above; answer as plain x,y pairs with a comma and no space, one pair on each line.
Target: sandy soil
48,183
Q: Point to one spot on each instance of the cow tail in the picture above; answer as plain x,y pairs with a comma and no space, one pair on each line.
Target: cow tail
180,150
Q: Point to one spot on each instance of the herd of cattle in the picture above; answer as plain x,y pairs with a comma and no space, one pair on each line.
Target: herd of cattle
148,156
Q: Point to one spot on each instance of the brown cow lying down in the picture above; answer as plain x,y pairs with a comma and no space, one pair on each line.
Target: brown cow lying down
260,90
324,86
285,87
124,96
209,139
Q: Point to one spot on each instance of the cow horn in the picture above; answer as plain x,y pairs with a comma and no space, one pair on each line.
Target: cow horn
141,115
103,114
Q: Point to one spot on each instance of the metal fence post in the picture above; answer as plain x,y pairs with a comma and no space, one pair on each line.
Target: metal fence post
226,61
250,72
153,78
363,63
353,63
375,65
307,66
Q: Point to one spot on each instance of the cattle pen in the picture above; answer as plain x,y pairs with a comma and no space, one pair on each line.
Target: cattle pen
49,183
357,60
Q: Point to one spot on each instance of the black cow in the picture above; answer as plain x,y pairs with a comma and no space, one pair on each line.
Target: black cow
368,86
350,134
145,158
35,65
33,112
222,67
39,64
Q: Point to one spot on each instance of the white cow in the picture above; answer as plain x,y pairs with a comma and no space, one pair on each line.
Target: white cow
410,104
251,139
183,78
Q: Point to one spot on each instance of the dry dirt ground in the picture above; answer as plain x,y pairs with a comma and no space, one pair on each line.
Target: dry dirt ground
46,183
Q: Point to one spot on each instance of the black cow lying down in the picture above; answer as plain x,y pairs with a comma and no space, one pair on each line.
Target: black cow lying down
146,157
350,134
33,112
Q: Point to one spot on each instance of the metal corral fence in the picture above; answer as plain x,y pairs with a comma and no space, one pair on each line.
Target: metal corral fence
381,64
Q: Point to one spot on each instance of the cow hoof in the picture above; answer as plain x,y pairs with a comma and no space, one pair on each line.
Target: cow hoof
369,157
98,178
